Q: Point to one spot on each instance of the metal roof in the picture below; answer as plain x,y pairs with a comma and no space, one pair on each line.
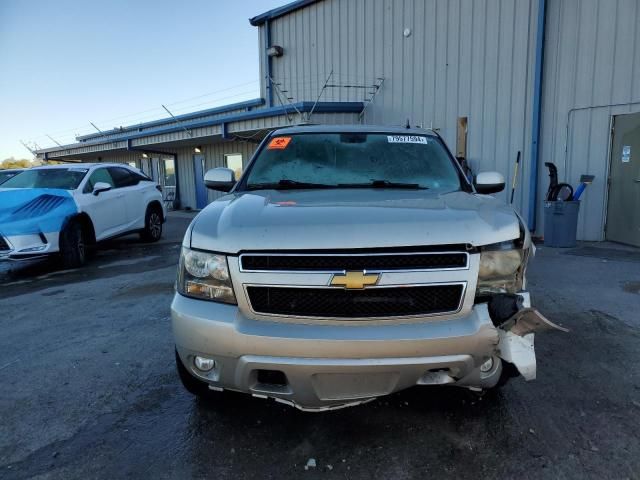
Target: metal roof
170,127
248,104
279,12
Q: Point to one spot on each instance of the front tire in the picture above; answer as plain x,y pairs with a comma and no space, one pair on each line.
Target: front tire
152,231
73,247
189,382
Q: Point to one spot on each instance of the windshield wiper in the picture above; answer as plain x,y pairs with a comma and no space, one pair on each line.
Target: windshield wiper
285,184
383,184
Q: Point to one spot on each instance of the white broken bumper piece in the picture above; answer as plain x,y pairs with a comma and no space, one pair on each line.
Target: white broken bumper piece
516,344
520,352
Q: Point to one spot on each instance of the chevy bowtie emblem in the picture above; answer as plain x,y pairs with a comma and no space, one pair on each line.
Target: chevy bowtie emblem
354,280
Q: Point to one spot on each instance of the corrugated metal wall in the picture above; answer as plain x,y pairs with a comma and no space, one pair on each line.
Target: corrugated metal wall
468,58
592,60
125,157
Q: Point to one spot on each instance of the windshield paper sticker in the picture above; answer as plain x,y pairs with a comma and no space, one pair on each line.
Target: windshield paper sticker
406,139
626,153
279,143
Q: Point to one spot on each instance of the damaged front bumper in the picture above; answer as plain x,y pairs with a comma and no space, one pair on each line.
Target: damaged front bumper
517,337
516,323
321,367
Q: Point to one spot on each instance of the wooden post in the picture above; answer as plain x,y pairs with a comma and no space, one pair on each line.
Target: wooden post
461,138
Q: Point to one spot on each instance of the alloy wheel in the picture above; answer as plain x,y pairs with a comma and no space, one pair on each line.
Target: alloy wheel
155,225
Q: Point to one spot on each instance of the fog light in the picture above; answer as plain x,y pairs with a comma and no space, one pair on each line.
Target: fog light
204,364
487,366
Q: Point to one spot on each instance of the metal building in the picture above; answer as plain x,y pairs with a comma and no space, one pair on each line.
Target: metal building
549,78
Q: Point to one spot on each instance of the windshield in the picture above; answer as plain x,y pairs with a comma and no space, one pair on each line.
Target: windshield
7,174
351,160
63,178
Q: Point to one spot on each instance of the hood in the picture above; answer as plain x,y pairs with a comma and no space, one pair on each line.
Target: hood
350,219
25,211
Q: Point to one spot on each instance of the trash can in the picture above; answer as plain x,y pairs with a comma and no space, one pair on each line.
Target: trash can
561,223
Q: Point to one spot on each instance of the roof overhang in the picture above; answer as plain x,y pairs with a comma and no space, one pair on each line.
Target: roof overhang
279,12
246,105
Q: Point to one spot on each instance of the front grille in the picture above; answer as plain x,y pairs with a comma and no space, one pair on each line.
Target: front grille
4,246
412,261
367,303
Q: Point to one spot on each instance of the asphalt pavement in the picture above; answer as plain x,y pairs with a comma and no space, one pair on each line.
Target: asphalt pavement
88,387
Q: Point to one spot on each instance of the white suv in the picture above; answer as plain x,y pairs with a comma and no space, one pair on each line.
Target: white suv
64,208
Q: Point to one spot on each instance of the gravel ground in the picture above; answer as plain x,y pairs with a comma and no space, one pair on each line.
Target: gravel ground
89,388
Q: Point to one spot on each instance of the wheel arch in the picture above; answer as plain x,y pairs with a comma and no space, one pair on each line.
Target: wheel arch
85,222
155,204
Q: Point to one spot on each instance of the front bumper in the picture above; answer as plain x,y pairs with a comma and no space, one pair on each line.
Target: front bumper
332,365
29,246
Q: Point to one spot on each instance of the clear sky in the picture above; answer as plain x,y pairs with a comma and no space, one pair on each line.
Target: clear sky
64,63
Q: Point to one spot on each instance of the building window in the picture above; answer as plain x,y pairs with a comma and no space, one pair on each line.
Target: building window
234,162
169,165
133,164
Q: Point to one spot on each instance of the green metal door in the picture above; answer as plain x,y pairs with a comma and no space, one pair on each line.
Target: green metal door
623,210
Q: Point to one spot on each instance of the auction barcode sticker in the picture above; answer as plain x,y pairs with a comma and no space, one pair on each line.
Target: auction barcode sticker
406,139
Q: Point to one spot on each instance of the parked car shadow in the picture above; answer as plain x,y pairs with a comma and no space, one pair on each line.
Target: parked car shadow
112,258
126,247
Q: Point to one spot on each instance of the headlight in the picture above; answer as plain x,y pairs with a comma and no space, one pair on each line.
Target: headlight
501,269
205,276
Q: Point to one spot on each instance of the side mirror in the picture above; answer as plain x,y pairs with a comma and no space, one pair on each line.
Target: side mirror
101,187
222,179
489,182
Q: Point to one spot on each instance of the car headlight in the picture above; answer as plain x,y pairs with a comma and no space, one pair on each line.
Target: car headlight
205,276
501,268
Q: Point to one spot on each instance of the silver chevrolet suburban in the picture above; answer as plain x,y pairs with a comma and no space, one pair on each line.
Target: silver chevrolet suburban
350,262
